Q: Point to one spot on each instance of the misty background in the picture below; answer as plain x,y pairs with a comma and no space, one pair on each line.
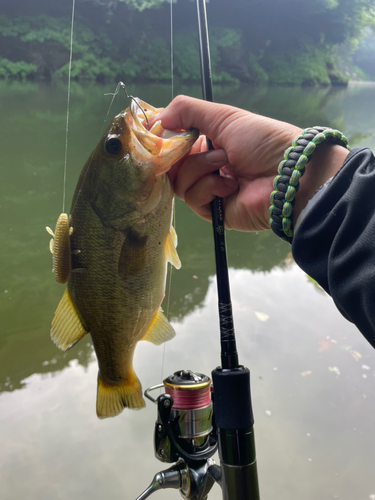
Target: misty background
319,42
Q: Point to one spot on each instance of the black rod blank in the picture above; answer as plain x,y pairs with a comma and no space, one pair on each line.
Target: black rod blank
231,382
229,355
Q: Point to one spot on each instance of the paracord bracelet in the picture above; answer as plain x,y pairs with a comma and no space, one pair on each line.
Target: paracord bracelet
290,170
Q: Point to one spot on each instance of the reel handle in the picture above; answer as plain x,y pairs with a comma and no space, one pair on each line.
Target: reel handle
175,477
193,483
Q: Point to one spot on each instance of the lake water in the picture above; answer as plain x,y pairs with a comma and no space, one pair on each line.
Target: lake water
313,374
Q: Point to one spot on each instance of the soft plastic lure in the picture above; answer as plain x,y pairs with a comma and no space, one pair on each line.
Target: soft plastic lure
60,249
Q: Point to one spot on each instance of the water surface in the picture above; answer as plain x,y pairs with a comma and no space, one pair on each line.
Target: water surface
313,374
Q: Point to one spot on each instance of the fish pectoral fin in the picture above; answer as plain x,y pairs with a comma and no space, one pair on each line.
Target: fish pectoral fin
173,234
66,328
133,255
171,245
111,399
160,329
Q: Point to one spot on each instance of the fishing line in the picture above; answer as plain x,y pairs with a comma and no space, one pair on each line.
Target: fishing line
167,316
169,287
170,265
68,103
114,94
174,208
172,53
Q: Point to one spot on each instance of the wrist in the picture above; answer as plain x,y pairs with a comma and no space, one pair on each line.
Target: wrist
324,164
292,168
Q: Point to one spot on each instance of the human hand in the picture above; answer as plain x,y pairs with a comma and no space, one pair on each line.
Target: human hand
248,149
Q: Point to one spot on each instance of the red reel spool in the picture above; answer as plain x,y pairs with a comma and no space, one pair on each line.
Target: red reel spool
189,390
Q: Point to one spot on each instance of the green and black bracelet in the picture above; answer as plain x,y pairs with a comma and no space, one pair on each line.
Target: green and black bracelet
290,170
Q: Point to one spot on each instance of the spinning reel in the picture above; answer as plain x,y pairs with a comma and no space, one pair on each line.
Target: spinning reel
184,434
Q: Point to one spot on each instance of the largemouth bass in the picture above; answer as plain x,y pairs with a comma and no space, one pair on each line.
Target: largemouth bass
114,248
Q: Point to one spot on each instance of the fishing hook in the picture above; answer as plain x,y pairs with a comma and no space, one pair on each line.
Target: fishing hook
123,86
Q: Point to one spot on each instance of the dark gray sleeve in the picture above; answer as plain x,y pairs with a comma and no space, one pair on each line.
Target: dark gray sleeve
335,241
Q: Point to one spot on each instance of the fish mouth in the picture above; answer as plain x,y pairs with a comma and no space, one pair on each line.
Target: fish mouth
158,146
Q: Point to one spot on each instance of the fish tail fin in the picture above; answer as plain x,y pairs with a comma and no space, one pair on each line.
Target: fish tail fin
111,399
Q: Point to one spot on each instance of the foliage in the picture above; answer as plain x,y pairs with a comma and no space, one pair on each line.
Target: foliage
364,54
39,28
90,60
186,57
305,67
42,28
148,61
152,61
89,68
19,70
143,4
224,40
226,37
285,23
260,76
280,41
139,5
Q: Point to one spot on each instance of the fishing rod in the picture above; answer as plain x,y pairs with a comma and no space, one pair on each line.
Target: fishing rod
194,417
231,382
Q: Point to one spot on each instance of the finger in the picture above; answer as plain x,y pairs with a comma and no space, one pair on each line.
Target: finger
198,147
199,196
197,166
186,112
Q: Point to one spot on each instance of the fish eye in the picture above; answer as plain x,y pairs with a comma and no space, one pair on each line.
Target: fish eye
113,146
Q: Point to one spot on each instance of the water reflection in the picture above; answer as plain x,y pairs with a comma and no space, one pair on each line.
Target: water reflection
316,442
314,432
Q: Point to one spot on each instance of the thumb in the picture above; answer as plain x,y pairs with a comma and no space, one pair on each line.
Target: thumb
186,112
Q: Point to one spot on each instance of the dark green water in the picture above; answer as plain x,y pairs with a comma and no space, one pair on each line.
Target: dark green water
319,439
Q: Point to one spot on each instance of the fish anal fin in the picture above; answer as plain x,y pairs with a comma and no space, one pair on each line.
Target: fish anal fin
133,255
111,399
66,328
171,244
160,330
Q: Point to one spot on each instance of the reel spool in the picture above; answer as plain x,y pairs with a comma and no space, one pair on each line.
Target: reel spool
184,419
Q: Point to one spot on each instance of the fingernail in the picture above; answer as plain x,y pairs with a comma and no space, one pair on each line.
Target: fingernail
217,156
231,183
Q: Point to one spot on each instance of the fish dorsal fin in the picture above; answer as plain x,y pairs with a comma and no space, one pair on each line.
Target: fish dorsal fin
160,329
171,245
66,328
